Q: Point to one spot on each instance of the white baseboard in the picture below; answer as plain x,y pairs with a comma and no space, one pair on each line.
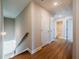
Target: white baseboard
36,50
46,43
39,48
21,52
31,51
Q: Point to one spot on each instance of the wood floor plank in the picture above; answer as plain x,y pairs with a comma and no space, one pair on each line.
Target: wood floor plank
55,50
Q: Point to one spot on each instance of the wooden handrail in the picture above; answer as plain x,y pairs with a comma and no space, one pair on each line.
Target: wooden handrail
24,37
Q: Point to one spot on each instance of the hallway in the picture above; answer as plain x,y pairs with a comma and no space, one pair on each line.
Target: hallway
58,49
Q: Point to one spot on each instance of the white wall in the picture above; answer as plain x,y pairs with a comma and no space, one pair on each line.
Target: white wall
9,28
22,26
8,47
35,20
9,38
52,29
76,29
36,26
1,18
40,26
69,29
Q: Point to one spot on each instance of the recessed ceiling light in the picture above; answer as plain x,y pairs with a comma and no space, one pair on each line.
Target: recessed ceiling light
55,3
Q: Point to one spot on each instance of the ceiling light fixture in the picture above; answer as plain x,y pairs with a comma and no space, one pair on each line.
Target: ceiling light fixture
55,3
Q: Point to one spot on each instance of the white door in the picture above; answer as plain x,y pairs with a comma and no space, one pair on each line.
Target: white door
45,34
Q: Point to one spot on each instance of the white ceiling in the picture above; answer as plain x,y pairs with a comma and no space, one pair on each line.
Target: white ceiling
11,8
64,6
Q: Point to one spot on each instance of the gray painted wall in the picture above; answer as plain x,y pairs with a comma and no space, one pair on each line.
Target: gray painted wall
22,26
9,28
30,20
1,21
40,26
36,26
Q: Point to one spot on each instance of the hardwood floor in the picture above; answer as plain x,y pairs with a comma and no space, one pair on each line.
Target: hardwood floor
55,50
25,55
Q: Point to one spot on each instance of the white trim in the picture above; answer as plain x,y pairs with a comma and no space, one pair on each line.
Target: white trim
21,52
36,50
46,43
52,40
31,51
39,48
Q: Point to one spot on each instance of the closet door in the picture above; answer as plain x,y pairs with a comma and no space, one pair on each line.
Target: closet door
45,34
